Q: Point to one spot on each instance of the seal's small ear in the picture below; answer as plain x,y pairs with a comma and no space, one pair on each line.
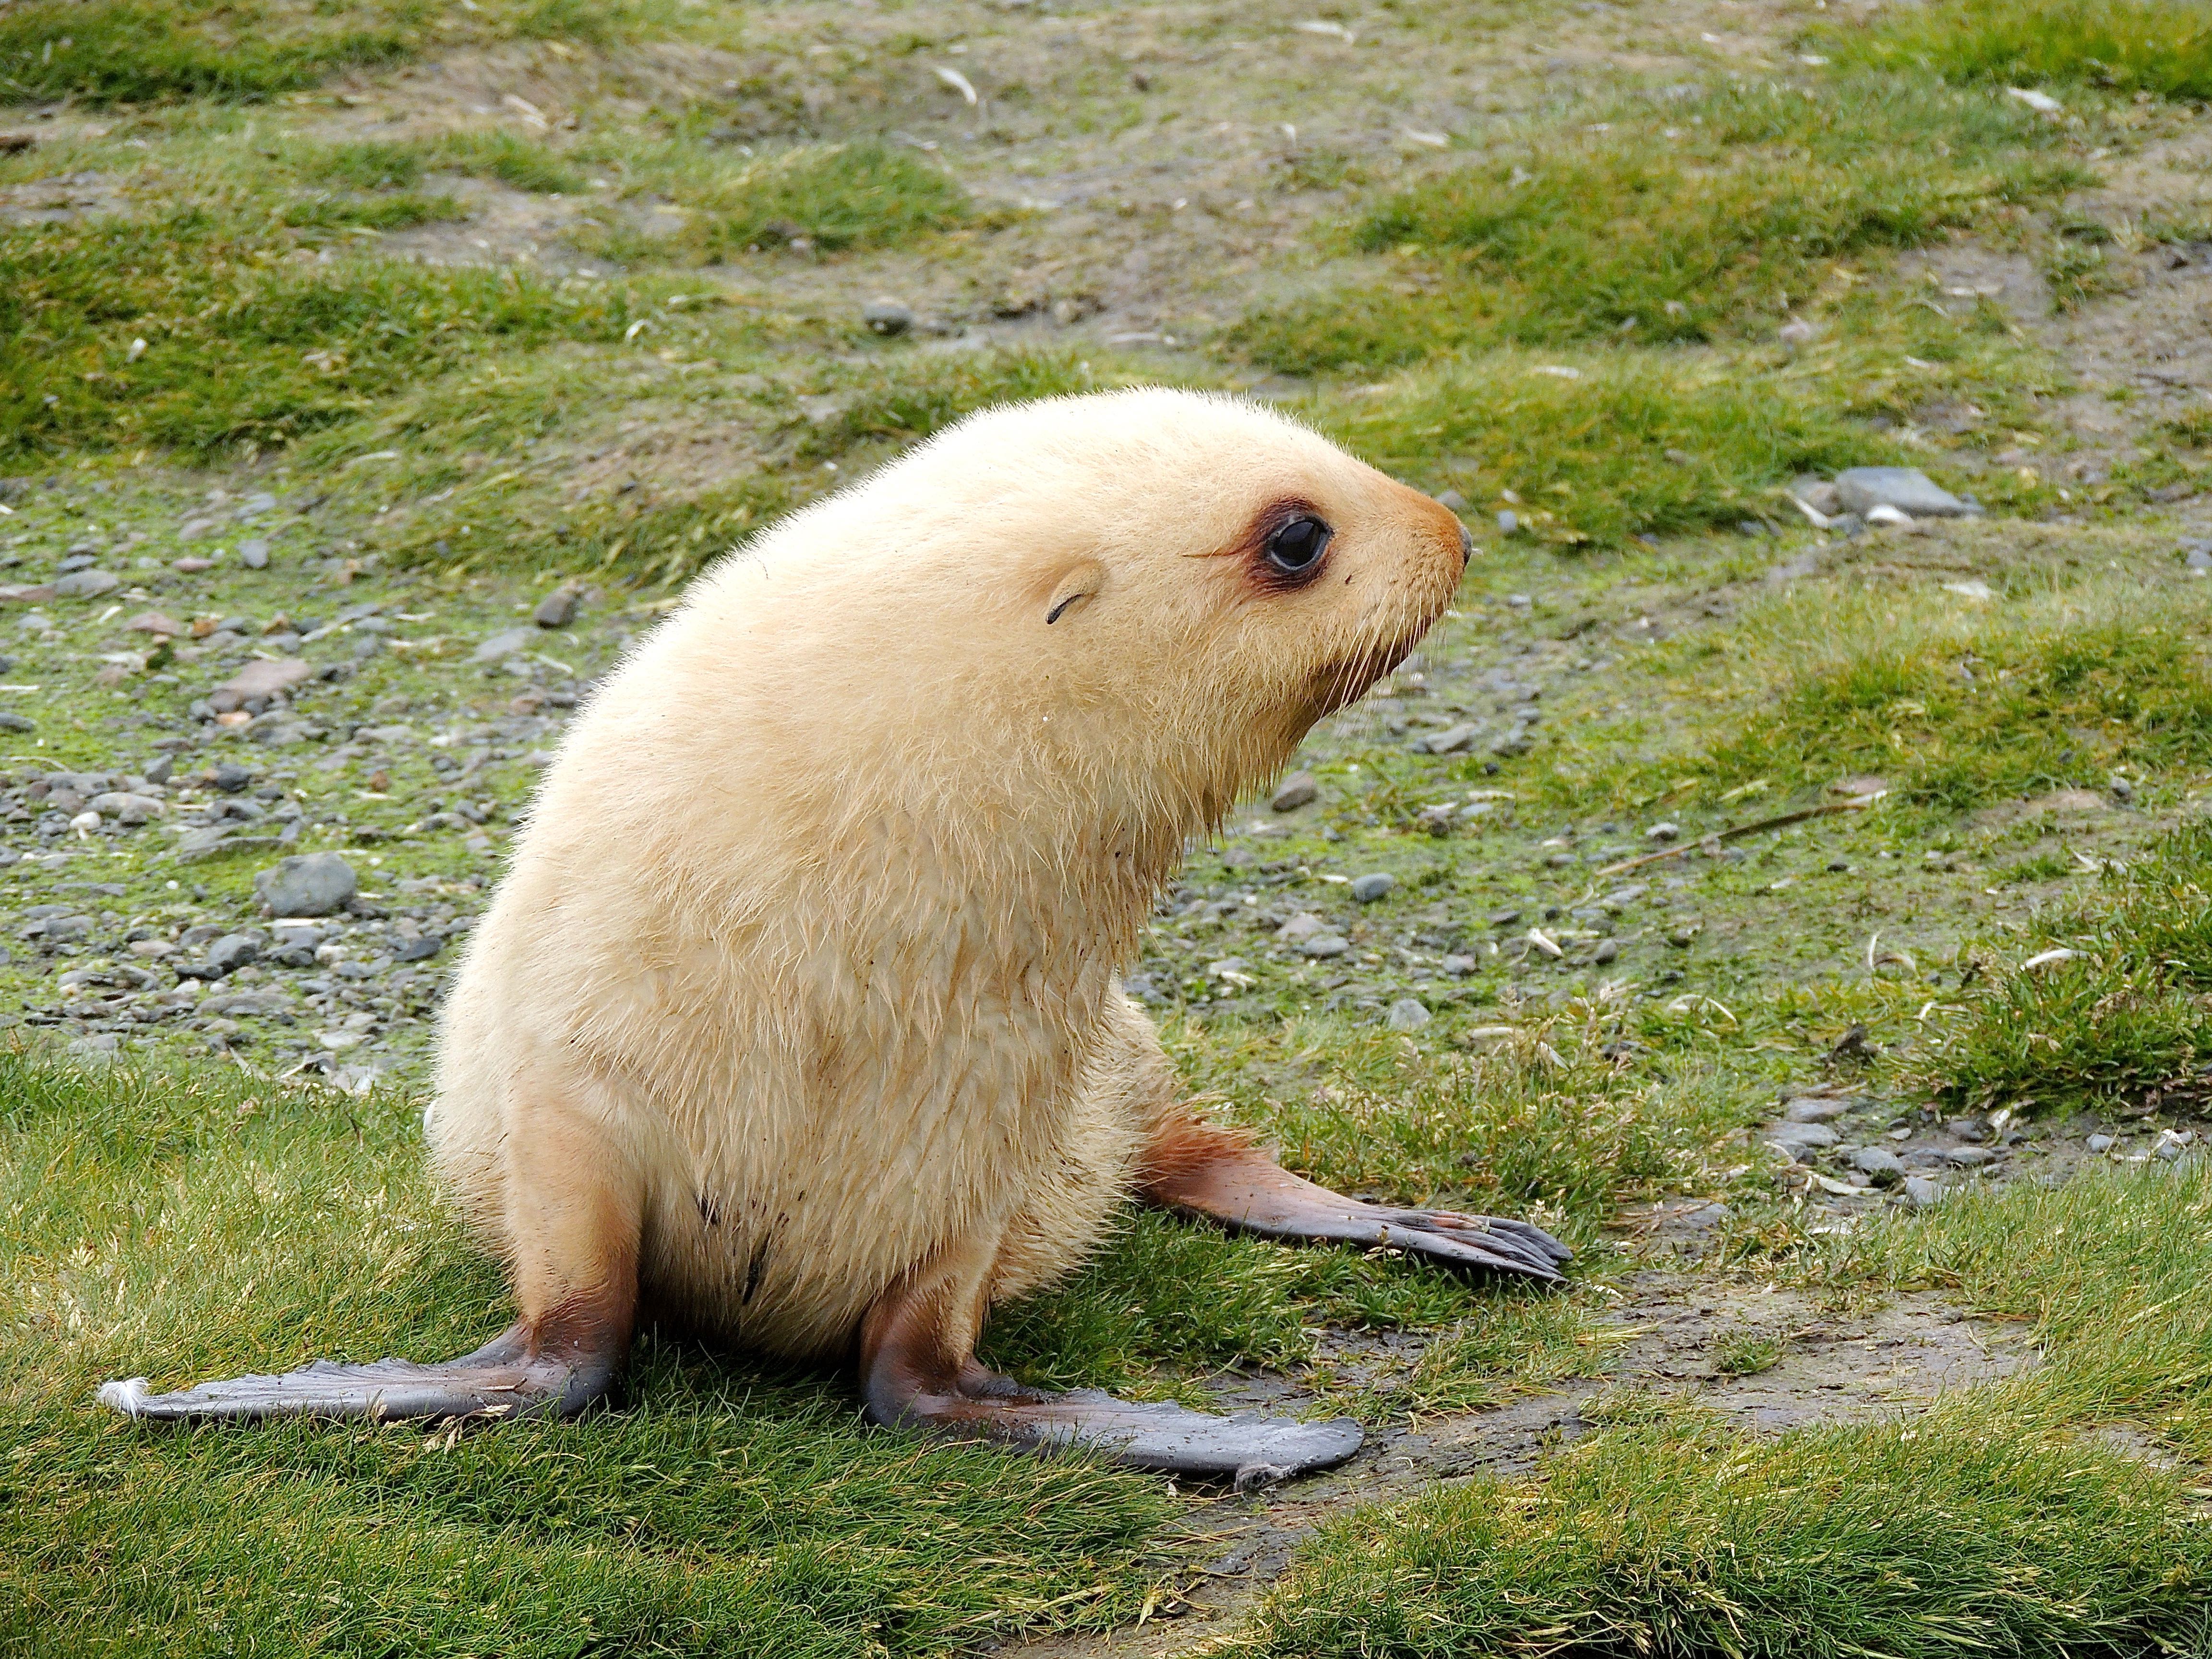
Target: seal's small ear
1080,583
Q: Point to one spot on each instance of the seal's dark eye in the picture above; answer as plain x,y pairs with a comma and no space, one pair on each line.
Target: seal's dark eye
1294,548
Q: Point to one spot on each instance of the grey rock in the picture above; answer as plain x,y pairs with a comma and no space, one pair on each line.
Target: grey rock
1449,741
1301,926
1321,946
253,553
2102,1143
1368,889
255,505
1879,1164
1969,1157
557,609
87,584
16,723
1818,493
1508,521
225,957
308,884
2200,558
1460,967
1968,1128
887,316
1921,1193
1299,789
1907,489
502,646
417,950
1816,1108
1800,1136
1514,742
125,808
231,778
1664,832
1407,1014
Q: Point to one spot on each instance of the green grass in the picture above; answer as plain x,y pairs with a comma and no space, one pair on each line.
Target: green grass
861,194
528,414
2107,1273
2126,1021
131,52
1955,723
374,164
1950,1534
1994,1521
1691,222
1636,442
244,346
206,1222
2052,683
2161,46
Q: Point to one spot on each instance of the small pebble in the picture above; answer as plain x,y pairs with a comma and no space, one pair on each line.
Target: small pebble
1299,789
310,884
1921,1192
253,553
1407,1014
1816,1108
1321,946
2102,1143
1879,1164
887,316
1368,889
557,609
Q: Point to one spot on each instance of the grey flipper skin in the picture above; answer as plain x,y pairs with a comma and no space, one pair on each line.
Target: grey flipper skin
1244,1448
503,1378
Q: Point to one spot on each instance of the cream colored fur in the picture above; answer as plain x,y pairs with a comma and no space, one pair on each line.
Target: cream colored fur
812,939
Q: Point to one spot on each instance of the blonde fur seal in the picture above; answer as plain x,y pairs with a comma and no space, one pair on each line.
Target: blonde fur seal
798,1015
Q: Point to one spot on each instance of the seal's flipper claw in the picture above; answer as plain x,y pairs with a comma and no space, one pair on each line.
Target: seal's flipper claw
503,1378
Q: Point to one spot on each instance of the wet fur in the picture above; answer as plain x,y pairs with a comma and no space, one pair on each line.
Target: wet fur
811,945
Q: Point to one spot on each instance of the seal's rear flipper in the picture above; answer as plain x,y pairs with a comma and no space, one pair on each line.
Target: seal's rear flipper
918,1370
1195,1169
1247,1450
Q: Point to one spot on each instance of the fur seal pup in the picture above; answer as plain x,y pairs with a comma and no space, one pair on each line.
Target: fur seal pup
797,1015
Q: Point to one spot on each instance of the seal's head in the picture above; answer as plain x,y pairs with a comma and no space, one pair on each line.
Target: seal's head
1163,590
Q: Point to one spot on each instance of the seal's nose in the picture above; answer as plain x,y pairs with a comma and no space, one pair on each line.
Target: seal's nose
1466,546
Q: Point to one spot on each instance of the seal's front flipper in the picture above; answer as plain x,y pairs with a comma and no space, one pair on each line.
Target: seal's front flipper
517,1372
1247,1450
